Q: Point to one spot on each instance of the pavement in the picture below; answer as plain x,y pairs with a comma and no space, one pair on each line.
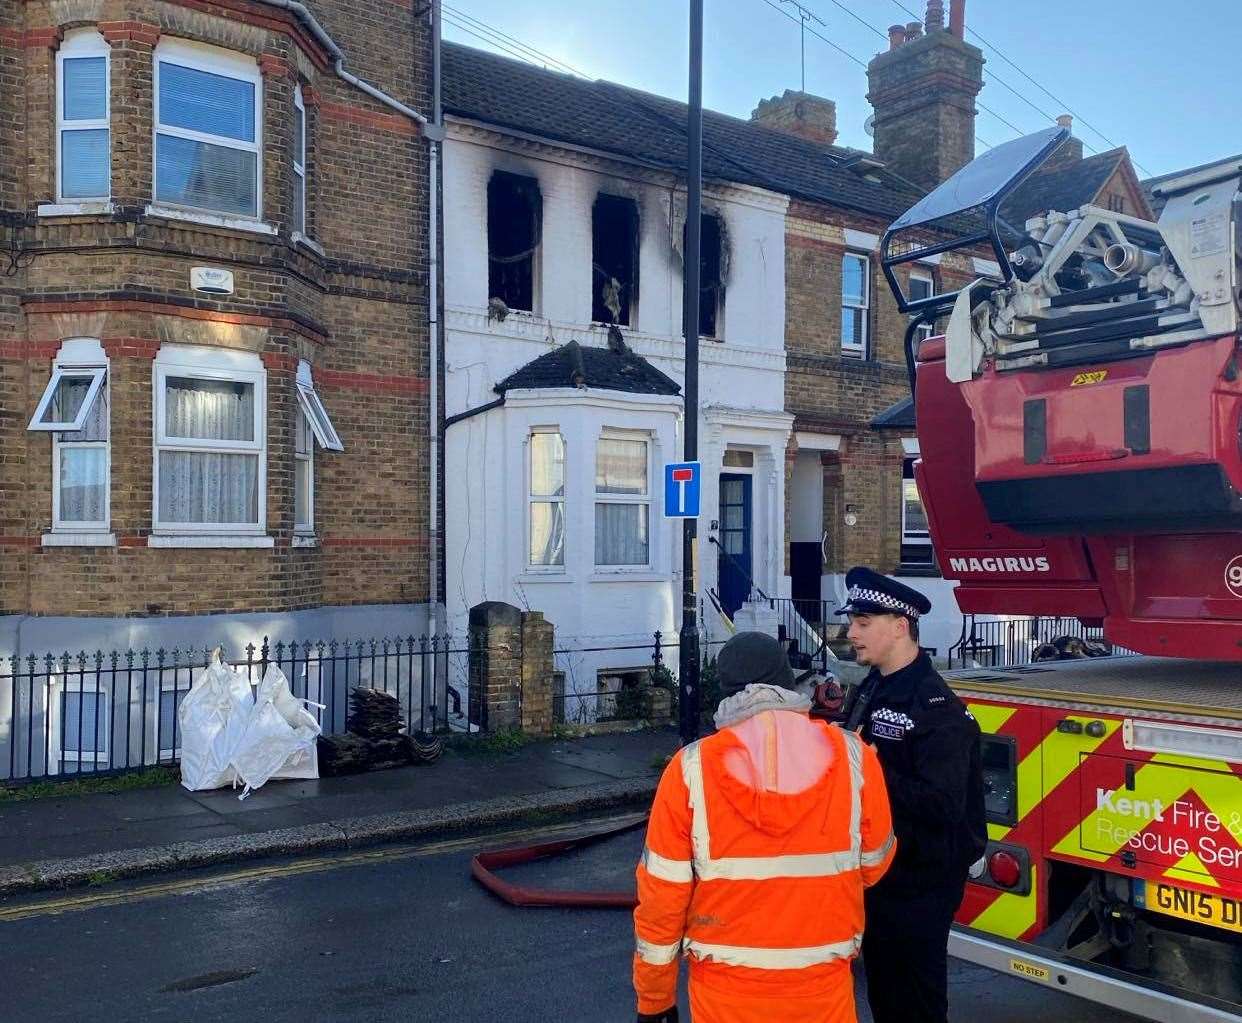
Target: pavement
94,839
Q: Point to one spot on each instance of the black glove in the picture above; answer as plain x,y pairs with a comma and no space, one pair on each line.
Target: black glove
669,1015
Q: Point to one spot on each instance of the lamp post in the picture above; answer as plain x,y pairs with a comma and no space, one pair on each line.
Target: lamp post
688,661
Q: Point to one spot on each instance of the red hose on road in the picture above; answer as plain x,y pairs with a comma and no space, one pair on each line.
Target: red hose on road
483,864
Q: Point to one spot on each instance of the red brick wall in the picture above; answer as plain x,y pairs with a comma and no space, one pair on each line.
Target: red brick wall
358,313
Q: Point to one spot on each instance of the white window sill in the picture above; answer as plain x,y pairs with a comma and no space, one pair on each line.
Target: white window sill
210,219
209,540
89,208
305,540
545,577
300,239
637,576
79,539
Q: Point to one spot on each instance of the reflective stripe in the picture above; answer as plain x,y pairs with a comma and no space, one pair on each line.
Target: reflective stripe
656,955
854,753
877,856
775,958
766,868
679,871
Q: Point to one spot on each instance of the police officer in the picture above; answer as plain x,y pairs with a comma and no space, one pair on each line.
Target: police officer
928,746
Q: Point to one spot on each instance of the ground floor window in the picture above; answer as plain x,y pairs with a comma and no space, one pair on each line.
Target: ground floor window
916,545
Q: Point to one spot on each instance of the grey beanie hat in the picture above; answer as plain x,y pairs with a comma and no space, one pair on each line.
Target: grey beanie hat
752,657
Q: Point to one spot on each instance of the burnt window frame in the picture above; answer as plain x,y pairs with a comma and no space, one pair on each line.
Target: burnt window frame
629,222
524,293
716,287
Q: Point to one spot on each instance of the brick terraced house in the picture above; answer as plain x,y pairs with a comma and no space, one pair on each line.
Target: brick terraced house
214,321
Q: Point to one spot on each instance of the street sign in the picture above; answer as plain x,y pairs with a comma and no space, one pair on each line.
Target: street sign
681,490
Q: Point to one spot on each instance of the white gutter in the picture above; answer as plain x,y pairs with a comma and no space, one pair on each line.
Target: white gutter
433,132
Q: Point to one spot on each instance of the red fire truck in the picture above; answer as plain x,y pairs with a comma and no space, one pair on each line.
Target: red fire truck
1080,430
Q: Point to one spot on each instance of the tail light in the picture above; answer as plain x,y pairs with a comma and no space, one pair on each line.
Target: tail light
1004,869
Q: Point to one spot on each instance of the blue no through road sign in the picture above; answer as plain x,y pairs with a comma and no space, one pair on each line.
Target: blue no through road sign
681,490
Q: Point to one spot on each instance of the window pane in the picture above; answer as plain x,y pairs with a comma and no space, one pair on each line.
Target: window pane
85,721
854,280
86,89
82,484
202,101
84,167
915,520
206,176
96,425
303,439
621,466
297,218
208,409
209,487
853,328
301,492
66,403
299,137
735,459
547,465
547,533
621,534
920,288
170,732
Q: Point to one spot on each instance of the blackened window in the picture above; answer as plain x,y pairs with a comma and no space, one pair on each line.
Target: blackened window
711,287
614,258
514,206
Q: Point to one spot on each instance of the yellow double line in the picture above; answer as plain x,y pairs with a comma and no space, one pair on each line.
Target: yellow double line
159,889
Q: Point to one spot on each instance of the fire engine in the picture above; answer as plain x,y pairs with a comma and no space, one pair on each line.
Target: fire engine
1080,433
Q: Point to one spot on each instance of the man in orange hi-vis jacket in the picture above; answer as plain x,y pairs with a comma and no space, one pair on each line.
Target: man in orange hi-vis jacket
761,841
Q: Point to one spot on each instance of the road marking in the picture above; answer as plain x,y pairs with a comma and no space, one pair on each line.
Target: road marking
188,885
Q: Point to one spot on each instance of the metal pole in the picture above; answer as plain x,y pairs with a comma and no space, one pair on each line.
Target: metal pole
689,639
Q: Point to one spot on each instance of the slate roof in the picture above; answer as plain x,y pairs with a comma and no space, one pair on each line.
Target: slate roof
626,122
1062,188
1157,205
575,365
896,417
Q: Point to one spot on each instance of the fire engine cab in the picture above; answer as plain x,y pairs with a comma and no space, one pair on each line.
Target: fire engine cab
1080,430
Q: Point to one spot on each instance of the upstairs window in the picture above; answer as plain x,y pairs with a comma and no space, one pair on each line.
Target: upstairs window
547,499
83,135
614,259
514,214
622,502
297,220
208,112
923,285
711,284
855,305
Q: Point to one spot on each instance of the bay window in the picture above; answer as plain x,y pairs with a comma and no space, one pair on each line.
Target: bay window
83,131
313,425
622,502
210,441
208,117
298,218
546,501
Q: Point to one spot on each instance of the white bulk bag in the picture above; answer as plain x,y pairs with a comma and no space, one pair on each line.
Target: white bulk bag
280,737
212,718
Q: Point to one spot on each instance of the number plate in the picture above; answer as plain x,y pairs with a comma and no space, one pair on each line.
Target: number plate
1201,907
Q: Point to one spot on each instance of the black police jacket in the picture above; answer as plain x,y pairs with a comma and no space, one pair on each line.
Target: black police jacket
928,745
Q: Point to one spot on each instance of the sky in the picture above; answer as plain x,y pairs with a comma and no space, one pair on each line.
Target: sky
1134,72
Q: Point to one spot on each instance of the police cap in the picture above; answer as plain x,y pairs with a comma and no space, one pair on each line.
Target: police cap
871,593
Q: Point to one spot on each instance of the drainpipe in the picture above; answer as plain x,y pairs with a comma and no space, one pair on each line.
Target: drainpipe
435,328
300,11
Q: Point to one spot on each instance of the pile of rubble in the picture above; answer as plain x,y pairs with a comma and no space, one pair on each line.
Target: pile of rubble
375,738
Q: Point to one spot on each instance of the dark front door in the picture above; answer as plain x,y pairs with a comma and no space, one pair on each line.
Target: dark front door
735,568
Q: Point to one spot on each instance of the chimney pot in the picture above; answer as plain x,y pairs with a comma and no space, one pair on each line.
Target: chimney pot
896,36
934,20
957,18
1066,121
914,30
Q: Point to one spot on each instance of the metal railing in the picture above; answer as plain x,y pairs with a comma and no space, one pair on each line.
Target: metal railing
1011,642
113,712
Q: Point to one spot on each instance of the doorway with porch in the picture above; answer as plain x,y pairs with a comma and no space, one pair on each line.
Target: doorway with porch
735,564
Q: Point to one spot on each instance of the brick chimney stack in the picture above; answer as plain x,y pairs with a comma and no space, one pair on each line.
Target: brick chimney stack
799,113
1070,152
923,91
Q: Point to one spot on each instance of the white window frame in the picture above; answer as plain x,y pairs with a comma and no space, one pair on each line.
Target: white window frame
199,363
646,500
320,430
77,355
848,347
925,330
531,568
199,57
909,539
97,374
84,43
59,689
299,166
